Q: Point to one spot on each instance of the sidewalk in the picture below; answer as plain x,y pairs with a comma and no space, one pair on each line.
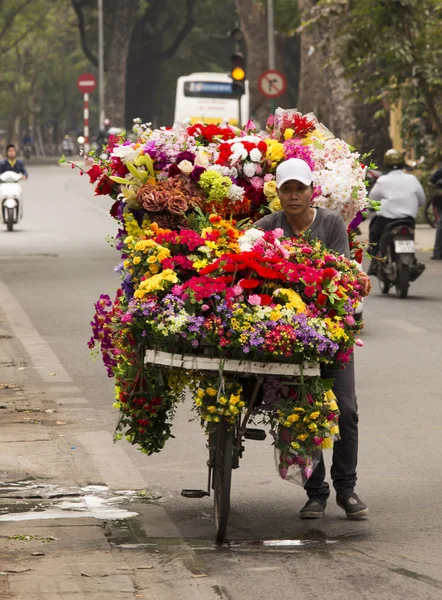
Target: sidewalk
64,533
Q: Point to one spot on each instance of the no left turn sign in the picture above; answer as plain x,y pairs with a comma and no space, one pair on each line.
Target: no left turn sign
272,84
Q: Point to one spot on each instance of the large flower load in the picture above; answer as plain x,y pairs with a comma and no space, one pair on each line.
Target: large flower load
195,280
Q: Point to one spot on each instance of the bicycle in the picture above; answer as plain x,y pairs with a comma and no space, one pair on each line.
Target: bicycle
225,442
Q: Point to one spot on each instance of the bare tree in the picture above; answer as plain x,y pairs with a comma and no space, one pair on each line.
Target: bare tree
123,15
252,15
156,38
323,88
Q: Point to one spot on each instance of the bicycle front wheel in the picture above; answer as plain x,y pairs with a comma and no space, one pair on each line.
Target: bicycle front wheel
222,476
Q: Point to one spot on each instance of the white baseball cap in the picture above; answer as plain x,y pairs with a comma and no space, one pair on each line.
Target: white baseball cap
293,168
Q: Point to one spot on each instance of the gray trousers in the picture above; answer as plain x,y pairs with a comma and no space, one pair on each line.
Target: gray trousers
345,451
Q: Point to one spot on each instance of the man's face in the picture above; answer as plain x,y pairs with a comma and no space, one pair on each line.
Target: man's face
295,197
11,153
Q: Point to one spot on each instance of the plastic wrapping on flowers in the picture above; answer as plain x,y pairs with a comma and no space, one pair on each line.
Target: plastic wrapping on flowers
198,278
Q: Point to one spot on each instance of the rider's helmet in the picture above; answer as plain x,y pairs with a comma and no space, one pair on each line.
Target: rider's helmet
394,158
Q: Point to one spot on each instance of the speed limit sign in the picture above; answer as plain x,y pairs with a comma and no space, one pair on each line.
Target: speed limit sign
272,84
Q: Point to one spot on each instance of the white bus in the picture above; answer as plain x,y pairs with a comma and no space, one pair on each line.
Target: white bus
208,98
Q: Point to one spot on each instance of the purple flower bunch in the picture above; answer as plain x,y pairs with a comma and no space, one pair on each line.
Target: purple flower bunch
101,333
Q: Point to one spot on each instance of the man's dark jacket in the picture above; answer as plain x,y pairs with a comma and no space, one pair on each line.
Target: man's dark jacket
18,167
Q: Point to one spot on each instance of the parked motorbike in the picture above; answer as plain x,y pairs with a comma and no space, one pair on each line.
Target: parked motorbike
11,198
399,266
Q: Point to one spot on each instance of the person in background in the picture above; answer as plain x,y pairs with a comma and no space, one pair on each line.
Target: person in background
294,181
436,180
400,193
12,163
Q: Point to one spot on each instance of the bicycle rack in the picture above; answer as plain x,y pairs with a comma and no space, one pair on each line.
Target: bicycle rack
255,434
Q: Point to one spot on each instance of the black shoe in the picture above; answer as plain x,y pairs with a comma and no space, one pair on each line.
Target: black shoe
313,509
353,506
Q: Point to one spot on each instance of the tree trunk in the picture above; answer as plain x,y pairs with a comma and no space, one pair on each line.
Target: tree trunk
124,19
252,15
323,88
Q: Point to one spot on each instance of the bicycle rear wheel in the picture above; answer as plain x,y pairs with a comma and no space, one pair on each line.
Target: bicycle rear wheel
222,441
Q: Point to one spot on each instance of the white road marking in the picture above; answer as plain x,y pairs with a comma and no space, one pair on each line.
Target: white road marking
42,356
64,389
113,464
406,326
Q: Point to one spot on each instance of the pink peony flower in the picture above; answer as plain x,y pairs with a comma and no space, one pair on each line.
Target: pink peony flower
350,320
177,290
359,342
278,232
268,177
257,182
237,290
254,300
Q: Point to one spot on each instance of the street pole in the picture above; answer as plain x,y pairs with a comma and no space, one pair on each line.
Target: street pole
271,34
86,122
271,42
100,65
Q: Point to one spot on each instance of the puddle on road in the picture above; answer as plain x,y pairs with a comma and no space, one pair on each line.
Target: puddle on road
131,535
18,502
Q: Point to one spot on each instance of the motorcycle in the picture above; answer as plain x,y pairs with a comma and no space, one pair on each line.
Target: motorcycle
11,198
399,266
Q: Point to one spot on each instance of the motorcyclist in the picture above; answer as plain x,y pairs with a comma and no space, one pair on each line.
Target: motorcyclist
103,134
12,163
400,193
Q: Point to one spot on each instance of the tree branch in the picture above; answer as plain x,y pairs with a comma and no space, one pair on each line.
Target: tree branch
16,42
182,34
78,7
11,17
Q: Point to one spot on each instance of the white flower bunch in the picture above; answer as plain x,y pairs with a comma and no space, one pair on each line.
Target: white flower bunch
249,239
340,177
236,193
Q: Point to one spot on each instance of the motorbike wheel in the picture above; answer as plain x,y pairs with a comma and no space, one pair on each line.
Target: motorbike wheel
10,219
385,286
402,280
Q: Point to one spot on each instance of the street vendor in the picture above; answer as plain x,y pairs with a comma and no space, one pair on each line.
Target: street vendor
294,182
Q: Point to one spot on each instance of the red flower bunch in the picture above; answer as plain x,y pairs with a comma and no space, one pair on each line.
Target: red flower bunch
301,124
225,149
209,132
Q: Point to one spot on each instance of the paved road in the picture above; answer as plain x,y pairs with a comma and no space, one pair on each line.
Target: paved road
53,268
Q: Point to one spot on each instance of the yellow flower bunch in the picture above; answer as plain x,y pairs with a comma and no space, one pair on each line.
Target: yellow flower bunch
336,331
156,282
293,299
270,192
212,404
132,228
275,151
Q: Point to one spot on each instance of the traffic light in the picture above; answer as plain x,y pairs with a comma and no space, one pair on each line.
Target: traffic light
238,74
